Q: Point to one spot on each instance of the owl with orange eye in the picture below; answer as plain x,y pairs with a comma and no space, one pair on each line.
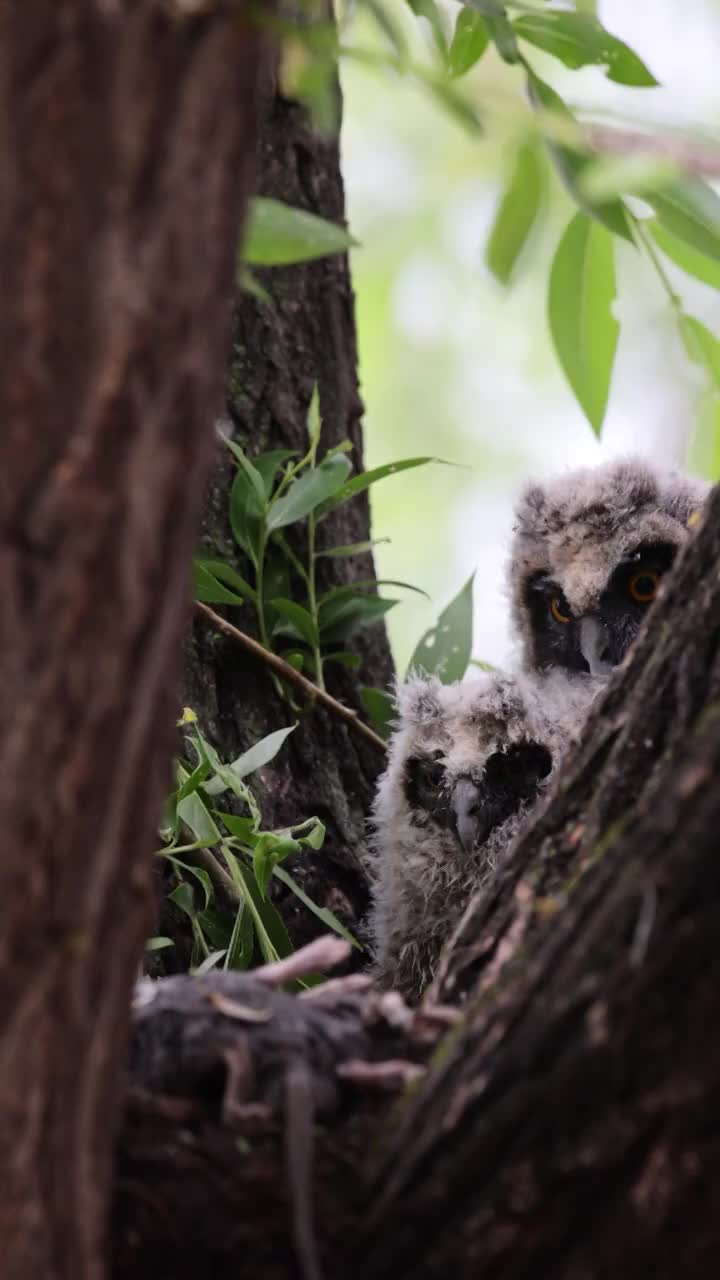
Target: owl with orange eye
589,553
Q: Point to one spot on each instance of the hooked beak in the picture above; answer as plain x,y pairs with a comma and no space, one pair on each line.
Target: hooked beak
467,813
594,646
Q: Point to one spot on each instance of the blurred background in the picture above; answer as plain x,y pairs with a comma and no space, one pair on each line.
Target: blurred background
455,365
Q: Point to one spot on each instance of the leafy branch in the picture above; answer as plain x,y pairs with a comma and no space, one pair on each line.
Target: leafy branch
602,166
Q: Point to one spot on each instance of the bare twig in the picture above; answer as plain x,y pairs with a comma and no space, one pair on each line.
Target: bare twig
317,956
686,154
283,669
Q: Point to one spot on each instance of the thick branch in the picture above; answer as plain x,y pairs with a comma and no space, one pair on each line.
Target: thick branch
566,1126
127,136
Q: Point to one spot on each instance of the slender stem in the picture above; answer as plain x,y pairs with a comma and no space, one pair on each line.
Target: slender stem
283,669
199,937
644,242
260,608
288,552
312,601
260,591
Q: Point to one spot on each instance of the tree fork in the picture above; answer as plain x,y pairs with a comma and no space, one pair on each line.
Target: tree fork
125,158
565,1126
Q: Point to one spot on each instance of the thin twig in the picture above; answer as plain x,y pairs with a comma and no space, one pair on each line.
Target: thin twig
687,154
323,953
281,668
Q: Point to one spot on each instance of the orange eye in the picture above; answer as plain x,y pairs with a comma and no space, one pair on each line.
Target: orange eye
557,612
643,586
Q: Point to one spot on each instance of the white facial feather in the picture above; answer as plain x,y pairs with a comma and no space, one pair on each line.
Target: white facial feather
423,877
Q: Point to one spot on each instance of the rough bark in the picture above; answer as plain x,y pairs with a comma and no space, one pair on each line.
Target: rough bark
280,351
126,140
566,1125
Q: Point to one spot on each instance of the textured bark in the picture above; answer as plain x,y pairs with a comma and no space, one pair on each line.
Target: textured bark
567,1125
125,147
307,336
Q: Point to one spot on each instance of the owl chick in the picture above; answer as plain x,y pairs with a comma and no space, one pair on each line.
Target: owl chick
465,764
588,555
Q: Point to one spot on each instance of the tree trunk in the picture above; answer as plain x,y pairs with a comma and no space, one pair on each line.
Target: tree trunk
280,352
566,1125
124,162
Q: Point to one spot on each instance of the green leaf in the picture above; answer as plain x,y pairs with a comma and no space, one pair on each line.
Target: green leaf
269,850
247,467
261,753
314,833
183,898
361,482
313,487
702,346
470,40
209,584
267,464
580,40
571,165
444,650
216,928
517,213
195,814
341,618
350,660
242,828
295,658
158,943
350,549
429,10
607,177
271,933
276,577
379,706
278,234
191,781
210,962
501,34
249,283
200,875
705,450
388,26
313,423
242,939
584,330
327,916
301,622
247,515
489,8
690,210
690,260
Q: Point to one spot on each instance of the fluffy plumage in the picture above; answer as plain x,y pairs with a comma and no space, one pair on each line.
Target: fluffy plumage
466,763
584,540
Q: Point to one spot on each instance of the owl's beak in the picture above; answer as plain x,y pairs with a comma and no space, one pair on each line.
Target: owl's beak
467,813
595,646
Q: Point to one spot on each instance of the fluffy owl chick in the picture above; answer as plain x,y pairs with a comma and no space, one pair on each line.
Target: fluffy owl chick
465,764
589,552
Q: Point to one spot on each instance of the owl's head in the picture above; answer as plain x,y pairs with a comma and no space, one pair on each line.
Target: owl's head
588,555
466,758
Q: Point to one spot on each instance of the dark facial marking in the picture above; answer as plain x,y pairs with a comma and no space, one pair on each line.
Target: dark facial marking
509,780
425,788
621,611
557,644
